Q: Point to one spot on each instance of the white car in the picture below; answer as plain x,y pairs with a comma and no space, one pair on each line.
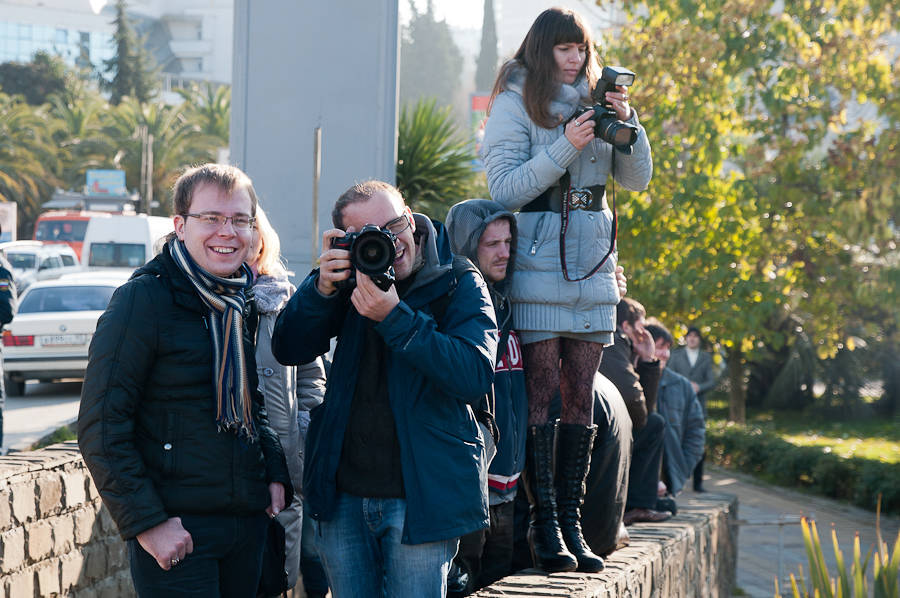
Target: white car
49,336
33,260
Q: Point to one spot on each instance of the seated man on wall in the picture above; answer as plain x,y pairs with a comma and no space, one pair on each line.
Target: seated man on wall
632,366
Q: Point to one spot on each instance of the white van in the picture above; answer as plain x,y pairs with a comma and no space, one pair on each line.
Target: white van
123,241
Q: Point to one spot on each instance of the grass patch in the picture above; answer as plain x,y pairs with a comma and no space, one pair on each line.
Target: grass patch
877,439
58,435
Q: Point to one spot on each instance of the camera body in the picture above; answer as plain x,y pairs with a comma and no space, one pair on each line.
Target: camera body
607,125
372,253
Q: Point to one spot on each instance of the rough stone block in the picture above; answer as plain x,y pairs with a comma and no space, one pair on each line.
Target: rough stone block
23,502
71,567
117,557
95,567
19,585
126,585
5,511
39,541
12,550
48,578
49,487
63,533
107,524
92,491
84,524
74,485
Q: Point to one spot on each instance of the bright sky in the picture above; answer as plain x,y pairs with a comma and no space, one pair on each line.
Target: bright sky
458,13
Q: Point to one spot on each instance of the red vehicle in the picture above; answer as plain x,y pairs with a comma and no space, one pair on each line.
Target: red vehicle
65,226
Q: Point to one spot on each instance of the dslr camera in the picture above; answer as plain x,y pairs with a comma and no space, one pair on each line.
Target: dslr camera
607,125
372,253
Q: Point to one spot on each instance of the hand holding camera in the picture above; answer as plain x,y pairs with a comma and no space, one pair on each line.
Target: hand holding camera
611,109
580,131
371,301
334,263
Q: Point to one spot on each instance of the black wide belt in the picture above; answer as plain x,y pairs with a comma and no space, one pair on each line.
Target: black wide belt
580,198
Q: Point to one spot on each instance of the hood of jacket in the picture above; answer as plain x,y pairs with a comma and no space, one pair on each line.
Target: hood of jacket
465,224
271,293
430,264
567,99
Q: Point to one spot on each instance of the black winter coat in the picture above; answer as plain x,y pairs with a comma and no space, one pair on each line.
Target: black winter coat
147,422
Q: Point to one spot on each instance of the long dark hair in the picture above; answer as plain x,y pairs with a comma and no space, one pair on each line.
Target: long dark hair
553,26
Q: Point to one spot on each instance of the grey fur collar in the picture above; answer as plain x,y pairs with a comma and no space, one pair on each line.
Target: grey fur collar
271,293
567,99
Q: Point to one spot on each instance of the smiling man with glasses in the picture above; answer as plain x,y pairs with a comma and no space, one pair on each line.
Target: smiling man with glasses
395,464
172,425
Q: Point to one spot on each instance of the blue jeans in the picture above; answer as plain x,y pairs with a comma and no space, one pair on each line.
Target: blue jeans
226,560
363,556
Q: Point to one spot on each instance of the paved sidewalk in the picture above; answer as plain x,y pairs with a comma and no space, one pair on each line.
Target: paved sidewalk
761,545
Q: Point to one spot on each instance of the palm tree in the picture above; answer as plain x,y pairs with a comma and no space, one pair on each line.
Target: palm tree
82,142
209,107
28,157
177,142
434,163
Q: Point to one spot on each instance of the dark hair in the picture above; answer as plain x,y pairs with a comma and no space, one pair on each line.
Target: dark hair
225,177
658,331
553,26
696,331
629,310
360,192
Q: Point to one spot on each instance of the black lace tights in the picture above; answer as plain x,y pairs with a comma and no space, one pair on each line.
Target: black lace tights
565,364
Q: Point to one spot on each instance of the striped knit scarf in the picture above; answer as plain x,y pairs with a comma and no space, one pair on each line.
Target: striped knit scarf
225,299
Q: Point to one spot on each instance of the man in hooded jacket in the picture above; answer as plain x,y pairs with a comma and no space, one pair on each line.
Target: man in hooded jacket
485,233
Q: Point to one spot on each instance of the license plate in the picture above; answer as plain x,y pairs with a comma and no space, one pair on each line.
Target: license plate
63,340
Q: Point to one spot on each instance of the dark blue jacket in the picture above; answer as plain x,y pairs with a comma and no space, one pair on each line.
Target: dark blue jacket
435,372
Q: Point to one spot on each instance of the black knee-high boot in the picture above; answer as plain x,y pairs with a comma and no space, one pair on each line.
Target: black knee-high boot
547,546
573,460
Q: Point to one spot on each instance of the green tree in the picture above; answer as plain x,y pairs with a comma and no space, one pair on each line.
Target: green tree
434,163
209,107
35,80
28,157
177,142
83,144
131,68
763,190
486,70
430,62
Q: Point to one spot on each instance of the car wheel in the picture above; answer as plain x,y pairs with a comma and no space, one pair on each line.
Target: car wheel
15,387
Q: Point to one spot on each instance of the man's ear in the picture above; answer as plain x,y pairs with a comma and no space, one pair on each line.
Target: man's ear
179,222
412,220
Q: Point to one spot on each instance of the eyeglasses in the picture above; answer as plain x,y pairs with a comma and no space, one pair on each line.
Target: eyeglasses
217,221
397,225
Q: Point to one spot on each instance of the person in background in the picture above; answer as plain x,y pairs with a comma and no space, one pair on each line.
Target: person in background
172,425
538,160
631,365
8,304
284,387
695,364
677,402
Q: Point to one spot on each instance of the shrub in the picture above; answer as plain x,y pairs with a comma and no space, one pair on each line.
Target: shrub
768,456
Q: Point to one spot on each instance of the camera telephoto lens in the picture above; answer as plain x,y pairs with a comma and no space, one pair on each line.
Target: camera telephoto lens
373,252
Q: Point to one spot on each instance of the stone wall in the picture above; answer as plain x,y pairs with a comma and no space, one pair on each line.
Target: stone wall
56,538
693,555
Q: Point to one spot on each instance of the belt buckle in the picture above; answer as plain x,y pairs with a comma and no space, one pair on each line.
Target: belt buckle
580,198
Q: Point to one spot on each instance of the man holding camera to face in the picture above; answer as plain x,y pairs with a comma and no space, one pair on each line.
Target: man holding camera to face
395,460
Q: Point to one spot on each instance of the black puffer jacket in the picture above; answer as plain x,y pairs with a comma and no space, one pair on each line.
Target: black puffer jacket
147,428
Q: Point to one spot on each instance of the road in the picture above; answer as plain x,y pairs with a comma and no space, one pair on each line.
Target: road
763,544
44,408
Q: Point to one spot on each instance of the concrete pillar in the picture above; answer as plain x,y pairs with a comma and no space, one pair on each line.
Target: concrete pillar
303,65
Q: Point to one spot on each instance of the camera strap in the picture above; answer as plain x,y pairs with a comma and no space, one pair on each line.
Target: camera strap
566,191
